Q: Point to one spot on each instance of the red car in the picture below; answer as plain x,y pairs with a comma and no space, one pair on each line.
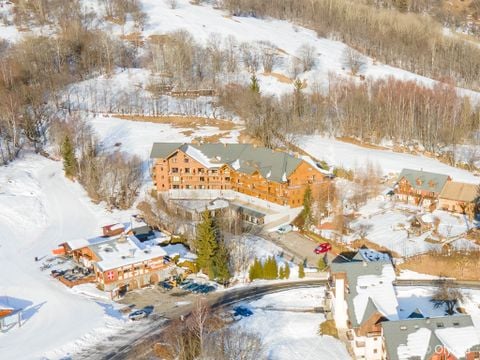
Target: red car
322,248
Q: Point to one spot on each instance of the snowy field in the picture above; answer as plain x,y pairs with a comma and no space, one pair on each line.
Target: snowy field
342,154
292,335
137,137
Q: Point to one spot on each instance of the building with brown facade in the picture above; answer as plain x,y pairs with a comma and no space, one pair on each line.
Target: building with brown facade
458,197
259,172
420,188
121,262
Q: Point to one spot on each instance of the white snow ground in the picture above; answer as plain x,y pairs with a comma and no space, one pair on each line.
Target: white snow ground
342,154
39,209
291,335
137,137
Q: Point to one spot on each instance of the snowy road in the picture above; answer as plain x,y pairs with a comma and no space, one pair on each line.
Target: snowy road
38,210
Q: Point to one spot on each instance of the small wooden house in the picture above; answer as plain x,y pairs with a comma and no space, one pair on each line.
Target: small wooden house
420,188
458,197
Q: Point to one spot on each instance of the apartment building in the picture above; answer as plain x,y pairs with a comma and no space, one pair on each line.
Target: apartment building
263,173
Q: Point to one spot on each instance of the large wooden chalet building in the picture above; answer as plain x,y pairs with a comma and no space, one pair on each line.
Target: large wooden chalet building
270,175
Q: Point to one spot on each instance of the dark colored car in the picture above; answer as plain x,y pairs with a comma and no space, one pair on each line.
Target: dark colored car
242,311
322,248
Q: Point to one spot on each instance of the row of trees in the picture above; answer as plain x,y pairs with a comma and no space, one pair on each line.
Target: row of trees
268,270
409,41
35,71
111,177
372,111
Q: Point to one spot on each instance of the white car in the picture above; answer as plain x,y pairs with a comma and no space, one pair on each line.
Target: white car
137,315
284,229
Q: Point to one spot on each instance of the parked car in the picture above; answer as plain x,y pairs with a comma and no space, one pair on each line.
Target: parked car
138,315
322,248
242,311
284,229
166,285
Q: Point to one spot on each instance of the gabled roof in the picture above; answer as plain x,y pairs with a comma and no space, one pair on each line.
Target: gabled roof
245,158
405,339
370,286
458,191
423,180
416,314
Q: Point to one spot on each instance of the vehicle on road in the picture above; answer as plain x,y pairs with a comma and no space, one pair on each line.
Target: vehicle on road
284,229
322,248
138,315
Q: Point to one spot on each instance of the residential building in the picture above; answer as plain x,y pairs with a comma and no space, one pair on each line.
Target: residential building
259,172
458,197
439,338
361,296
420,187
122,262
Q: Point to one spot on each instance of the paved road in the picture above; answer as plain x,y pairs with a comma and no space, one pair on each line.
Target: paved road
141,344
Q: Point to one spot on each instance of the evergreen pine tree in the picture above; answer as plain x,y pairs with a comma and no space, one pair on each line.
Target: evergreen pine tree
281,273
254,85
287,271
274,268
256,270
69,159
307,208
206,243
220,260
301,271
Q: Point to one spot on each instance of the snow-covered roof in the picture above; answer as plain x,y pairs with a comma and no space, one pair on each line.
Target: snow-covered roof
201,157
416,345
370,277
123,251
82,243
372,255
379,289
405,339
458,340
244,158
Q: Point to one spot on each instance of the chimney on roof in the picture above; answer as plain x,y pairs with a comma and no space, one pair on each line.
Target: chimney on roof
132,252
364,263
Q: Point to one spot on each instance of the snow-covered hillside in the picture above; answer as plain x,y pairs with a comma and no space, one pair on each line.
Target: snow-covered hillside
350,156
203,21
40,209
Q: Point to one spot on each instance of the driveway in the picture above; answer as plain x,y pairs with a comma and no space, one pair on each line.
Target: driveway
297,245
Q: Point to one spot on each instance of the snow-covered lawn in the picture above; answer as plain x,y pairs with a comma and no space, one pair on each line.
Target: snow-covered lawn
388,223
350,156
40,209
292,335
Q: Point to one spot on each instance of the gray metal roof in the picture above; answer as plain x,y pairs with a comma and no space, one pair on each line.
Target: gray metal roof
396,332
355,268
272,165
423,180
